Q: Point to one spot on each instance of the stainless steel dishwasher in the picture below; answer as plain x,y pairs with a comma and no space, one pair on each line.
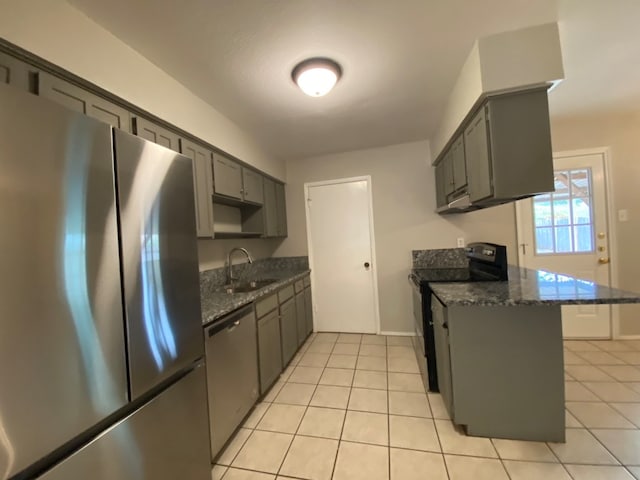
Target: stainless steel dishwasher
232,373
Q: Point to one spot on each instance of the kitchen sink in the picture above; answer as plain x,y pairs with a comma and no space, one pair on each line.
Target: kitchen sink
244,287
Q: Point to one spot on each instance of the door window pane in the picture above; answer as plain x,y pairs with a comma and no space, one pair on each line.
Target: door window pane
563,220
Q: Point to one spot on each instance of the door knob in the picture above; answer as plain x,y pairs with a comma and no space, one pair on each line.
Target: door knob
366,264
603,260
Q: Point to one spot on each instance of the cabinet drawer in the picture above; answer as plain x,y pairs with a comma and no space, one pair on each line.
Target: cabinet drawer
298,286
285,293
266,305
307,281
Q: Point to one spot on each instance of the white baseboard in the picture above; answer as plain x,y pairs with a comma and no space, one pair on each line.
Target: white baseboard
627,337
399,334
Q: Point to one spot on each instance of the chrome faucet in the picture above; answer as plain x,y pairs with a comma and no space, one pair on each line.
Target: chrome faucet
230,278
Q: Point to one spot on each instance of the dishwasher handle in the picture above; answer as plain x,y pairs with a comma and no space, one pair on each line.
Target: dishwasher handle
229,322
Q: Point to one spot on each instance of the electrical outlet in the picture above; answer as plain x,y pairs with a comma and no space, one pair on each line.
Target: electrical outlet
460,242
623,215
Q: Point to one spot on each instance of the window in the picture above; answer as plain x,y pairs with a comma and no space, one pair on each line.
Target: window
563,220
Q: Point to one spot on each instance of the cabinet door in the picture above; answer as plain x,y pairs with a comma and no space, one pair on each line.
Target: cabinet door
308,308
270,209
14,72
458,166
301,318
80,100
448,174
288,330
227,177
443,356
252,189
441,197
269,351
202,185
478,157
155,133
281,207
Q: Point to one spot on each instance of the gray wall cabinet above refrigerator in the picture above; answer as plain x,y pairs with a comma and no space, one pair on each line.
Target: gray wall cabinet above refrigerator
80,100
500,153
218,178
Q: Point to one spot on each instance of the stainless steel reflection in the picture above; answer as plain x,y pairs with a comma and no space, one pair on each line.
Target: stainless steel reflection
159,260
164,440
231,342
62,360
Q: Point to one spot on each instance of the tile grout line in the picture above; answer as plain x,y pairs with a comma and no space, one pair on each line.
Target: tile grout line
306,409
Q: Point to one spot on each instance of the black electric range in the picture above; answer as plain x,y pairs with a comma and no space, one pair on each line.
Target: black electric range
487,262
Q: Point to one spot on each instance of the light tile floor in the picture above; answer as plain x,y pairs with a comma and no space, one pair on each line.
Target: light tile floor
352,407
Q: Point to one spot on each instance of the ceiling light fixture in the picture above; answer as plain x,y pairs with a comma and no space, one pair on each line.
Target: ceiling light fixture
316,76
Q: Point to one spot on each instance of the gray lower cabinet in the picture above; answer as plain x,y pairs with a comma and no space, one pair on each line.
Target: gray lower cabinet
281,208
155,133
500,369
270,209
308,309
301,317
83,101
202,185
227,176
443,357
252,186
269,350
288,330
14,72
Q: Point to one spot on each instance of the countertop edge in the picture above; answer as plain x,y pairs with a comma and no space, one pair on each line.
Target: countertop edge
243,299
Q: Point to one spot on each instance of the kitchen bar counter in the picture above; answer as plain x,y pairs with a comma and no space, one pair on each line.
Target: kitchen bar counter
527,287
216,304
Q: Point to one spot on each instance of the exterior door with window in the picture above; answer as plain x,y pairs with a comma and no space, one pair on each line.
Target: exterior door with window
567,232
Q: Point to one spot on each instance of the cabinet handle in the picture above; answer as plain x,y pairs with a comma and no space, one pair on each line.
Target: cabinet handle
366,265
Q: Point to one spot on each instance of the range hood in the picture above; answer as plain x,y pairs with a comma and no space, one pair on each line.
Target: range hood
459,205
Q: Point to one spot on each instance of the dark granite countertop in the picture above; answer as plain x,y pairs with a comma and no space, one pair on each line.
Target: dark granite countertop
530,287
216,304
441,274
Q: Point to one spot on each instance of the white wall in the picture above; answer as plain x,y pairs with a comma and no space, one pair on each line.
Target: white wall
504,61
403,208
64,36
619,131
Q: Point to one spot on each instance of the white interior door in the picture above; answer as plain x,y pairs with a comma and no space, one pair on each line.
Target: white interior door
341,256
567,232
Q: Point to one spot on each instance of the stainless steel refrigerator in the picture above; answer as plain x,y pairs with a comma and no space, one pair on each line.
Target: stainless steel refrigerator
101,348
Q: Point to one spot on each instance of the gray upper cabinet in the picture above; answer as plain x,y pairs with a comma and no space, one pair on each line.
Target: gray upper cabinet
502,154
519,146
252,188
155,133
441,196
228,177
281,208
14,72
203,185
477,154
270,209
83,101
458,165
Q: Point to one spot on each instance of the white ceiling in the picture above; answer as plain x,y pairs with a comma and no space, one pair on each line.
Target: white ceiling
400,59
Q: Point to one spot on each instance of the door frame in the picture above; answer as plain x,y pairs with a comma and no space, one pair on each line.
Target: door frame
374,262
610,223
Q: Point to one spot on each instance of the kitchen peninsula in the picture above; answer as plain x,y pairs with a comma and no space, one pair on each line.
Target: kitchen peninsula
500,353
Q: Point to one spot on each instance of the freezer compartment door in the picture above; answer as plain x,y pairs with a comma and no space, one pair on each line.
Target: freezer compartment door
62,354
166,439
159,260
